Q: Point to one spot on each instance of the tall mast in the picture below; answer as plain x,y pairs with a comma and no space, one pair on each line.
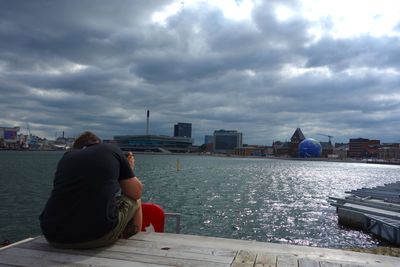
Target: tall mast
147,122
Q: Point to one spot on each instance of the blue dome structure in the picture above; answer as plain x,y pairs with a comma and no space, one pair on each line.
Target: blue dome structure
310,148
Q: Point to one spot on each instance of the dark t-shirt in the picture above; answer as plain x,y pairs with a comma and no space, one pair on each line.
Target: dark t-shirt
82,205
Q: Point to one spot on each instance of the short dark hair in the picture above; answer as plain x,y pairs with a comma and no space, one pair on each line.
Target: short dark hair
86,139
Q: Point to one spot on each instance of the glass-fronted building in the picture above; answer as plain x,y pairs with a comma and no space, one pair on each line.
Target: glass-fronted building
183,129
153,143
226,141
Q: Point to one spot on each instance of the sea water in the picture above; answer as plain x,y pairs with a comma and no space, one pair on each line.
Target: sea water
269,200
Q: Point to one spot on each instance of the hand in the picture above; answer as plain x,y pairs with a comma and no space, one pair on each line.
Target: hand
131,160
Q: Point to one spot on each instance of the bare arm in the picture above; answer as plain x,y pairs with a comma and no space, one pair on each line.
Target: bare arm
131,188
131,159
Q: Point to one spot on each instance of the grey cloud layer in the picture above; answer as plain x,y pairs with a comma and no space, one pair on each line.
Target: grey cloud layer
74,65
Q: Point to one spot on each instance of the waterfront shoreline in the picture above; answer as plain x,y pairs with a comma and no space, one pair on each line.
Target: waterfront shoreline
347,160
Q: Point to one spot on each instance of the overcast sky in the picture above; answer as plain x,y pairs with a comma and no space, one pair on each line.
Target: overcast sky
263,68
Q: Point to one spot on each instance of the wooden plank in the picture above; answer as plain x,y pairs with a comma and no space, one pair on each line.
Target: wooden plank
179,254
210,251
140,244
329,264
244,258
215,255
286,261
265,260
351,265
273,248
150,256
305,262
35,258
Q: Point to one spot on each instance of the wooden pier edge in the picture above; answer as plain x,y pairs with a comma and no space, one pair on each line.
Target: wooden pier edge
266,247
166,249
19,242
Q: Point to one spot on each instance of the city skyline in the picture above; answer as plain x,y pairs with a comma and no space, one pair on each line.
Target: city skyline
328,137
263,68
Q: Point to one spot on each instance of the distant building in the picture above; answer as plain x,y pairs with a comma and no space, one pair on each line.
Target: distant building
154,143
253,150
337,145
341,150
295,140
226,141
182,129
389,151
208,139
110,141
373,149
23,140
361,147
281,149
209,148
9,137
327,149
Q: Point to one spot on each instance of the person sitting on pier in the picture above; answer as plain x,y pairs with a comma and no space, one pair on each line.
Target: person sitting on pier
83,210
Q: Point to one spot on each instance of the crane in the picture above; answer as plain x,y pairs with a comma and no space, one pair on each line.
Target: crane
329,136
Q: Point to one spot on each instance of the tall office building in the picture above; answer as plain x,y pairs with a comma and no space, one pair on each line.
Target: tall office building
226,141
182,129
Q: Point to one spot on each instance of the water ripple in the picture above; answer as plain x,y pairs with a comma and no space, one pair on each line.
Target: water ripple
254,199
266,200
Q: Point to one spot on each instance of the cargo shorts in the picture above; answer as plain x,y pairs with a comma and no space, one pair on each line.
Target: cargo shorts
124,229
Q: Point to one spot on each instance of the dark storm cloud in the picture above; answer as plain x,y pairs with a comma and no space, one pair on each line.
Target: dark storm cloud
79,31
206,46
357,52
77,65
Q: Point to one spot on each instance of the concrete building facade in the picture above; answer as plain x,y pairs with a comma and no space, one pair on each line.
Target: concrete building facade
341,150
362,147
226,141
389,151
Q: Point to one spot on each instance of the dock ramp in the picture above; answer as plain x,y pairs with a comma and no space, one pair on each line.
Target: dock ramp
374,210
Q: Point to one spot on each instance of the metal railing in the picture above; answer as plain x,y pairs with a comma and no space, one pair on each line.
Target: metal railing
177,217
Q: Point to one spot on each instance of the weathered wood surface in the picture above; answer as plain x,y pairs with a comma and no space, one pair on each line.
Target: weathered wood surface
155,249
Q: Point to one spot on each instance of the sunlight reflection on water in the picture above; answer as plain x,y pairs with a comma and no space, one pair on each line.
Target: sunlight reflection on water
266,199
